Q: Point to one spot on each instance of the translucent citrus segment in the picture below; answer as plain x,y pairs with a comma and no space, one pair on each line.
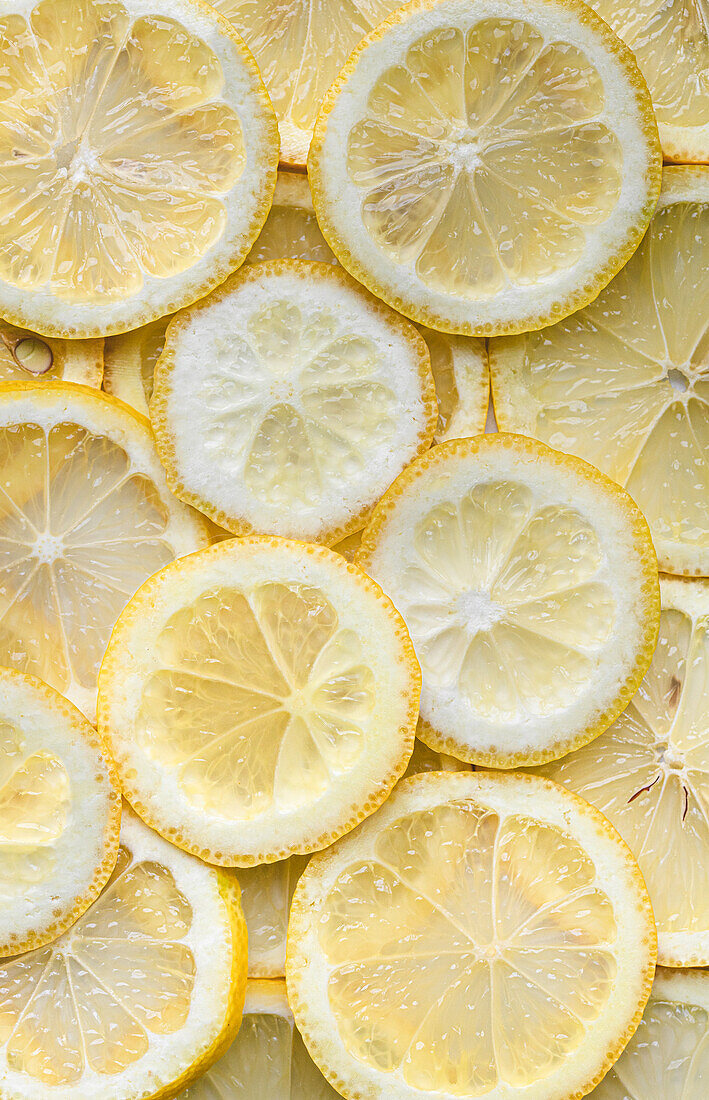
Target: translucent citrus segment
460,372
260,699
671,43
287,401
129,363
471,911
649,774
300,47
486,170
291,229
25,356
266,895
529,586
60,812
85,517
138,153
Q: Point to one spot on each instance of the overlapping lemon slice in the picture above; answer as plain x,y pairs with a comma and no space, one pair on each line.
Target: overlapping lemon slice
260,699
140,995
60,813
482,935
138,154
649,774
129,363
289,400
528,582
85,517
486,169
24,356
291,229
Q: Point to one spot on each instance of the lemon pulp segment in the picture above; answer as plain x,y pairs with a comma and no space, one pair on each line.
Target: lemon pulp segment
266,894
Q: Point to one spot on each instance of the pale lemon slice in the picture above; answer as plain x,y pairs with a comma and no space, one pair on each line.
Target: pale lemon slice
138,154
140,995
460,372
486,169
300,47
668,1055
60,813
268,1059
291,229
129,363
670,39
625,382
528,582
24,355
260,699
482,935
289,400
649,774
85,517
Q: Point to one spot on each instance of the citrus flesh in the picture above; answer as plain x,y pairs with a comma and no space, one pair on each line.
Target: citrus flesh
24,356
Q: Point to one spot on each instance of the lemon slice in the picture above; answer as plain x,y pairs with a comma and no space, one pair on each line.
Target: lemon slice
291,229
260,699
85,517
25,356
129,363
300,47
289,400
486,169
268,1057
424,759
140,995
138,154
483,934
60,813
671,44
625,382
667,1055
460,372
529,585
649,774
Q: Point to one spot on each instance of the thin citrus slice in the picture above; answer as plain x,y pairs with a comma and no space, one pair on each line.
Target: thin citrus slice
528,582
670,39
24,355
60,813
460,372
140,995
482,935
85,517
129,363
289,400
624,383
668,1056
291,229
649,774
486,169
138,154
260,699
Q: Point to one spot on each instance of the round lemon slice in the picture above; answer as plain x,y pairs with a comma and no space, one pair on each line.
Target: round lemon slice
60,813
260,699
289,400
486,169
625,382
529,585
667,1055
649,774
483,934
85,517
140,995
138,154
25,356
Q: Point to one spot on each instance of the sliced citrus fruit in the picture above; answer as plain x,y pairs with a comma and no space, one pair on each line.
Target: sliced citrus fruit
289,400
300,47
24,355
460,372
424,759
60,812
129,363
625,382
528,582
291,229
670,40
486,169
483,934
85,517
649,774
260,698
667,1055
138,154
140,995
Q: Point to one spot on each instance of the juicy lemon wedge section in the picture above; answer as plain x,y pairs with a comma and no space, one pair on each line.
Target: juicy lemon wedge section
624,383
138,154
85,517
649,774
140,995
486,171
260,699
60,812
471,910
529,585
